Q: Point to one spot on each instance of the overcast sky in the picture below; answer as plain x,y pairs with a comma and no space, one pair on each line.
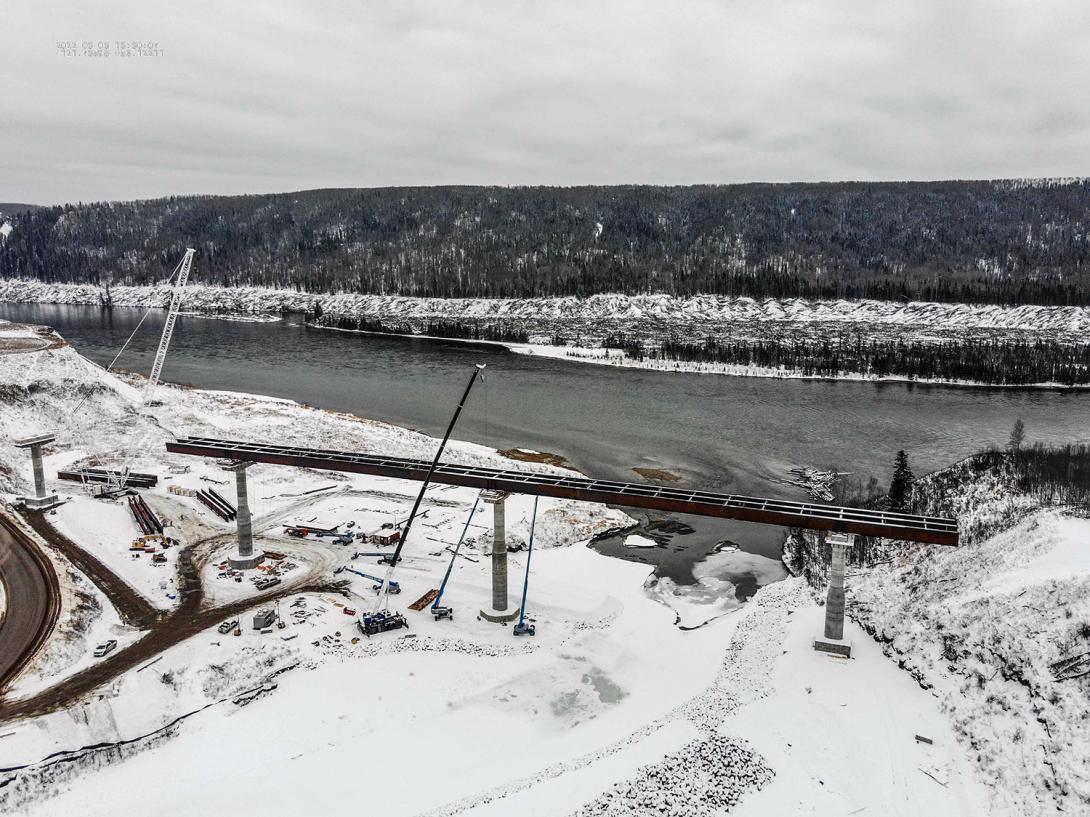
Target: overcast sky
273,96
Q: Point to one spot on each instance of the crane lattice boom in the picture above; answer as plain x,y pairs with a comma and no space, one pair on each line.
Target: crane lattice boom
168,327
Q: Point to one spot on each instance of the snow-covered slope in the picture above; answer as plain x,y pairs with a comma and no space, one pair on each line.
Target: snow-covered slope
615,307
981,626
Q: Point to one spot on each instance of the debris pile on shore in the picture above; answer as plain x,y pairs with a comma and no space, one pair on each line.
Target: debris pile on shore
818,484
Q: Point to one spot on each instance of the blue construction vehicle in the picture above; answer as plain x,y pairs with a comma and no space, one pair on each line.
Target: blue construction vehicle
394,586
437,609
384,558
380,622
521,627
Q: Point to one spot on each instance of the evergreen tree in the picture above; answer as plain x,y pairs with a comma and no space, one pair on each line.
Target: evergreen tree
900,489
1018,435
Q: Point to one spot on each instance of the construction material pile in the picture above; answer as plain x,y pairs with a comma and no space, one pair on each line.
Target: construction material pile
706,777
147,520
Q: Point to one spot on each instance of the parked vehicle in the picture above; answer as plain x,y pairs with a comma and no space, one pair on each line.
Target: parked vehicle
227,626
105,648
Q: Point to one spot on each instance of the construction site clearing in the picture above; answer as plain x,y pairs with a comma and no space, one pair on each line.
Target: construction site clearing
284,681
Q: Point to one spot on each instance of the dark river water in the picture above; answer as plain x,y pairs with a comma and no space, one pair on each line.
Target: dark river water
718,433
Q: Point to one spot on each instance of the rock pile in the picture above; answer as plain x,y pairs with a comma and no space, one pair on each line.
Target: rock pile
705,778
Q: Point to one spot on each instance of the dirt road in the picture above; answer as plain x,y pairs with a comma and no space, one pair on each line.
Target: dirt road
33,600
189,618
134,609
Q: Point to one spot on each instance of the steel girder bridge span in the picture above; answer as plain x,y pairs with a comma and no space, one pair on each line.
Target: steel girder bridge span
887,524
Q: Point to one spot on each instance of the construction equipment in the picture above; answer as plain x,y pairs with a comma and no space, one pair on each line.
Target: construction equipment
380,622
438,610
168,326
394,586
521,627
117,480
383,601
383,558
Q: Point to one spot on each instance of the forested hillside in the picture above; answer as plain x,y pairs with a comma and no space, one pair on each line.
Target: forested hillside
977,242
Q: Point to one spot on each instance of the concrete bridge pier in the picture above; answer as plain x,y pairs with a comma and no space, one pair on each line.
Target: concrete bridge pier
40,500
501,610
833,640
244,558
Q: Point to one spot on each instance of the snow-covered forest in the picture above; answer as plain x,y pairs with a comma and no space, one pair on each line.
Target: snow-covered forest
970,242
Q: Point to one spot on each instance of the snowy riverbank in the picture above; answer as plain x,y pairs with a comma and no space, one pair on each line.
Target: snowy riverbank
946,339
617,357
661,309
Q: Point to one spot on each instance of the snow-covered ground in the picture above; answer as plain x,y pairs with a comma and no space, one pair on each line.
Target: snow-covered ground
86,618
106,529
609,709
997,629
981,626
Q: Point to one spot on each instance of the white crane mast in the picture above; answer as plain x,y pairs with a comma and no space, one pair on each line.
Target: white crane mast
168,327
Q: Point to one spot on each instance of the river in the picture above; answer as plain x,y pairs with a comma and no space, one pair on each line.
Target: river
715,432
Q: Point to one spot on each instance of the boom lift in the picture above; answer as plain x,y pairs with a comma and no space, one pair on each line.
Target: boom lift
436,608
522,628
394,586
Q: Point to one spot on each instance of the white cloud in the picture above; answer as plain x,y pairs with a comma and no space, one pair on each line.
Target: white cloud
279,96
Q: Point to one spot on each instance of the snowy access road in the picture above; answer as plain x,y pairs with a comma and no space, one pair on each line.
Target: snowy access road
32,593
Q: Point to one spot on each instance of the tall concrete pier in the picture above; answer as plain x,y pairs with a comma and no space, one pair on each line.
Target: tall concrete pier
244,558
501,610
34,444
833,640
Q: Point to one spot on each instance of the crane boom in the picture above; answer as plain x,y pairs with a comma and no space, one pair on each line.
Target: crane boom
168,327
385,586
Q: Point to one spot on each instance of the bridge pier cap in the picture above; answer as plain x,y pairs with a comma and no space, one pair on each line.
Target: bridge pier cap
40,500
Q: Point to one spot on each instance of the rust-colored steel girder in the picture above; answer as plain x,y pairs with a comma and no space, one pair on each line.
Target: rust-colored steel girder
905,527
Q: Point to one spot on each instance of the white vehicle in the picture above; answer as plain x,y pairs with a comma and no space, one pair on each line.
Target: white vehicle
105,648
227,626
